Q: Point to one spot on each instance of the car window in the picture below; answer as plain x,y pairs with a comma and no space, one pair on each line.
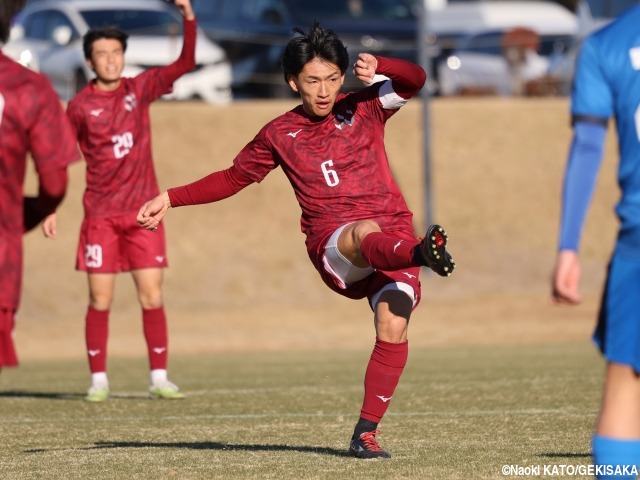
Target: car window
488,43
271,11
491,44
330,10
609,8
138,22
40,25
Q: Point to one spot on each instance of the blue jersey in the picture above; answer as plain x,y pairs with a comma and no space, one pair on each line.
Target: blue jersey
607,84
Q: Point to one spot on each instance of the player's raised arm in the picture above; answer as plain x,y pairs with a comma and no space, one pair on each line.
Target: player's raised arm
185,8
365,67
408,78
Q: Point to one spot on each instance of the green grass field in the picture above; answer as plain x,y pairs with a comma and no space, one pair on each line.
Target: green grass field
459,413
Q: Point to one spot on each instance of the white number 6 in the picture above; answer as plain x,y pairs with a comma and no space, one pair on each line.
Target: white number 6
330,176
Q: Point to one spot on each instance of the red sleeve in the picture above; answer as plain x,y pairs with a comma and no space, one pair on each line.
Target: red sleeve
51,191
187,59
214,187
408,78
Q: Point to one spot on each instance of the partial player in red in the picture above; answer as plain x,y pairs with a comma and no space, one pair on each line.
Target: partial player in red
111,120
358,228
31,120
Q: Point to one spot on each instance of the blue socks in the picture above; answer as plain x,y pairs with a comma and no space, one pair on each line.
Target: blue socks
615,459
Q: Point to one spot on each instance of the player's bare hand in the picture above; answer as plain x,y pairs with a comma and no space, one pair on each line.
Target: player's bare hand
365,67
151,213
185,8
566,278
50,226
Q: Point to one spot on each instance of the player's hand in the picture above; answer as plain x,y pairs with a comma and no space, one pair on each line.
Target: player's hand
152,212
365,67
50,226
185,8
566,278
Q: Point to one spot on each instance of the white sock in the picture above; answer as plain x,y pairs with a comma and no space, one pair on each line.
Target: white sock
99,380
158,377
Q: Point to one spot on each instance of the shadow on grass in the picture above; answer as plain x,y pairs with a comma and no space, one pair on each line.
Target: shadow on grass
225,446
213,446
565,455
68,396
45,395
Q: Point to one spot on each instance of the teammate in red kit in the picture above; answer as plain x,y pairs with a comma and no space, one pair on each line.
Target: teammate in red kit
111,121
31,120
358,228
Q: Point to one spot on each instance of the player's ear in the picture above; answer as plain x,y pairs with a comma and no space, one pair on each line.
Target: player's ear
292,83
90,64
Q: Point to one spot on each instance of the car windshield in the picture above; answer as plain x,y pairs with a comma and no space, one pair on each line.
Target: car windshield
136,22
491,44
337,10
609,8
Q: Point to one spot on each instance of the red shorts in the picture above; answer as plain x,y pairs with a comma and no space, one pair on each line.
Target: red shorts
119,244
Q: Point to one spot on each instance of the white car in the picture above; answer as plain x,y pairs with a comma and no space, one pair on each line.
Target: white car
478,63
47,37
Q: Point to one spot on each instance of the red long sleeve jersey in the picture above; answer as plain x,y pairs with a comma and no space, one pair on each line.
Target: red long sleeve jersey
337,165
114,134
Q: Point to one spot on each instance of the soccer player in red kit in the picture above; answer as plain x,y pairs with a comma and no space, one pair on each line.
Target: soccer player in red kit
31,120
359,232
111,120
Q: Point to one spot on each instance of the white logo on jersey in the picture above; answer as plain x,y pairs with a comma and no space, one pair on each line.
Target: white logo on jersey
159,258
129,102
159,350
93,256
409,275
396,246
93,353
96,112
383,398
293,134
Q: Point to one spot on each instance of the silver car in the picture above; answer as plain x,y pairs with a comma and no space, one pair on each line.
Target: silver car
47,37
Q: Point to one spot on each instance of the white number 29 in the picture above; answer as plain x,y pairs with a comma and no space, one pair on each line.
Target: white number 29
122,144
330,175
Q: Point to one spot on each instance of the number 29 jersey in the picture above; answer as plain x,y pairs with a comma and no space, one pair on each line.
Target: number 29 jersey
114,134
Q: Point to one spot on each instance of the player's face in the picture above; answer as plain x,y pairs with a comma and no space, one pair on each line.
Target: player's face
107,61
318,84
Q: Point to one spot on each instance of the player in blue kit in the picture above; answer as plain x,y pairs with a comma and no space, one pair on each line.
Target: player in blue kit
607,84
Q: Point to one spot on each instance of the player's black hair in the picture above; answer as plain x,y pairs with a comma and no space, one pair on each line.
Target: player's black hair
8,9
94,34
318,42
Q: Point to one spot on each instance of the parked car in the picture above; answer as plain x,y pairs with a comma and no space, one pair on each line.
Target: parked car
479,63
47,37
254,33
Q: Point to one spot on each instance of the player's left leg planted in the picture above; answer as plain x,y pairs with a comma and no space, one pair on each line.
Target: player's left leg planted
386,365
382,376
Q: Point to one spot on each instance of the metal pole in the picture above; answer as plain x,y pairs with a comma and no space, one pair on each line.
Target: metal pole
425,63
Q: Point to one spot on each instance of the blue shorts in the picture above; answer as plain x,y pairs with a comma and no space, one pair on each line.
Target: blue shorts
618,331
